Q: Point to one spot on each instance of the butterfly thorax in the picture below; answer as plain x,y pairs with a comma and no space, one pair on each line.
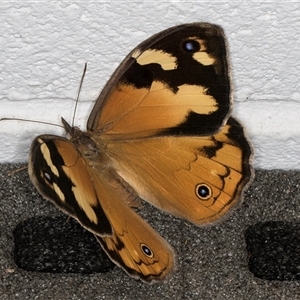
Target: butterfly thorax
93,152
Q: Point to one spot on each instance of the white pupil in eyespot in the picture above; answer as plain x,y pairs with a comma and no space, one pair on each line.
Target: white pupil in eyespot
47,176
189,46
146,250
203,191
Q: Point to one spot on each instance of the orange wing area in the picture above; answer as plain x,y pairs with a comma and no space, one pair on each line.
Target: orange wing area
168,171
152,110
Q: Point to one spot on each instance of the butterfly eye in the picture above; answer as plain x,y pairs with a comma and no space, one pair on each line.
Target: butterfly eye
203,191
191,46
146,250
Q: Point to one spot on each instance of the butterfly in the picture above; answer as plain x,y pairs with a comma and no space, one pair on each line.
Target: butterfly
160,131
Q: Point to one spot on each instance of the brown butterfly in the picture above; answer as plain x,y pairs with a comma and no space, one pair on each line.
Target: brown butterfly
159,131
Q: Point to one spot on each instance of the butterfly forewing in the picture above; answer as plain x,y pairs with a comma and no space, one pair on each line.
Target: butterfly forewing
176,82
59,173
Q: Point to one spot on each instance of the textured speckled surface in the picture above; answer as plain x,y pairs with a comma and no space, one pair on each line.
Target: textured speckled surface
211,261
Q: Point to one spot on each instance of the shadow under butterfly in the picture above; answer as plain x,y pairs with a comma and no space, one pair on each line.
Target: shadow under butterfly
160,131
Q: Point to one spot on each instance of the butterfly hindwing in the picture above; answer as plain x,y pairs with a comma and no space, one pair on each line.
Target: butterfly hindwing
134,246
196,178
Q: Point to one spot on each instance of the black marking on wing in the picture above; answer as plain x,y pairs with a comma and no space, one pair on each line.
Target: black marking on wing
238,138
211,152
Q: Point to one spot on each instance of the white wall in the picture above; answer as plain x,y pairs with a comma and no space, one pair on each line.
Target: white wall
45,45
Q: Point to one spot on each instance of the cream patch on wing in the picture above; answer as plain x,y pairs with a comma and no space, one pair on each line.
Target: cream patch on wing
46,154
164,59
202,56
59,193
193,96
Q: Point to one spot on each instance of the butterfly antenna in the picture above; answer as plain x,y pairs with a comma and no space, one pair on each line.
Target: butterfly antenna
31,121
79,90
